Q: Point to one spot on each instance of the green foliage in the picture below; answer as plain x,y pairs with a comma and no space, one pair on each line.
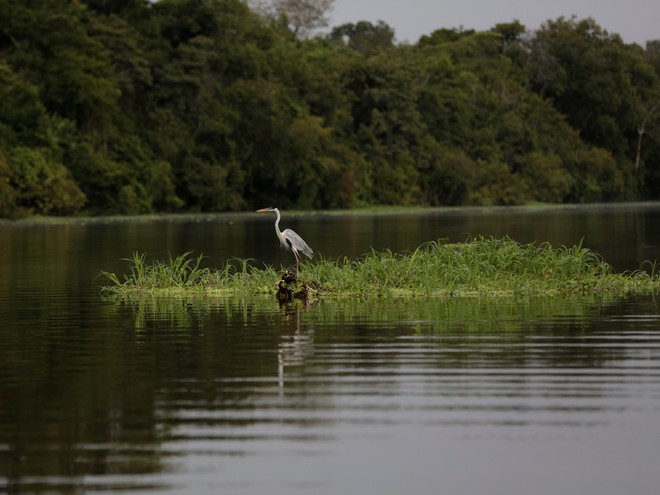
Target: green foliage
598,176
603,86
42,186
179,272
182,272
493,184
545,178
482,266
7,192
21,110
364,37
201,105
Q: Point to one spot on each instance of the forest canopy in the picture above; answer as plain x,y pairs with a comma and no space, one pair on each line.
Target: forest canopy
132,106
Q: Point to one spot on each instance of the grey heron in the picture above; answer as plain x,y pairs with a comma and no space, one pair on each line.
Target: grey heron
289,239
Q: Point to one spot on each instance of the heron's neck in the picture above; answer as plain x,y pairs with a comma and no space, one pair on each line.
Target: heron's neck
277,222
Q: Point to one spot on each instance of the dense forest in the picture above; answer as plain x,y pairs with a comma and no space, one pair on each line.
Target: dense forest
135,106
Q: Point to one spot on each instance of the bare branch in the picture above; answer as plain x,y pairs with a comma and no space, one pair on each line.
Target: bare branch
641,129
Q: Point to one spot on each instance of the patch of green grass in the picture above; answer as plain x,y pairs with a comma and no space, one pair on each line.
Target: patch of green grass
184,275
479,267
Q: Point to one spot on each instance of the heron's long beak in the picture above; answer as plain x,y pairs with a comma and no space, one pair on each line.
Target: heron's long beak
263,210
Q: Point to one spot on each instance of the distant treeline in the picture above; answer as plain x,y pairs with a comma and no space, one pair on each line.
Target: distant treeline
131,106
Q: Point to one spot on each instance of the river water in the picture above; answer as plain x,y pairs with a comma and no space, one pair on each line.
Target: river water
452,396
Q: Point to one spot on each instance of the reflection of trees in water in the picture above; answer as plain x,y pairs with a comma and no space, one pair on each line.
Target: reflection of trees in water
87,403
79,404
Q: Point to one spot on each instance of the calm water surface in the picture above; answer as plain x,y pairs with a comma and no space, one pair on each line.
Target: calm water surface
513,396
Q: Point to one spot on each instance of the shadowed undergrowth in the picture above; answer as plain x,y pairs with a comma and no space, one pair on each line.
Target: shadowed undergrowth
482,266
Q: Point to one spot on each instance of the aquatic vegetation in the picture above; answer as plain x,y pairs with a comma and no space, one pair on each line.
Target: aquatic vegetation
480,267
179,272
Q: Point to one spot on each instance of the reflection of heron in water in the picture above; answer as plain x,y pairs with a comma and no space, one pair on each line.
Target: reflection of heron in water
293,351
289,239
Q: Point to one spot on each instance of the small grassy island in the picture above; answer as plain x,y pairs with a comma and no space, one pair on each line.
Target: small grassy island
479,267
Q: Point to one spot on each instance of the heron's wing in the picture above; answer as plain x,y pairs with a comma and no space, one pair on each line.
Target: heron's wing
296,242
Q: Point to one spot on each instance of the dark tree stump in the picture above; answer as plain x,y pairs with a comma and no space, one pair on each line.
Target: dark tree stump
290,288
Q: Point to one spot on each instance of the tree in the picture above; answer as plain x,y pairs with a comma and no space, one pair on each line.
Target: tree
364,37
584,71
303,16
607,90
652,54
386,125
42,186
510,31
134,106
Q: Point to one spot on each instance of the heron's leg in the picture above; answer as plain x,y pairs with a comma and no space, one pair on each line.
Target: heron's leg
295,253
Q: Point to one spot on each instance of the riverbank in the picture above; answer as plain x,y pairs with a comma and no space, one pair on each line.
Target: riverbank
360,211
